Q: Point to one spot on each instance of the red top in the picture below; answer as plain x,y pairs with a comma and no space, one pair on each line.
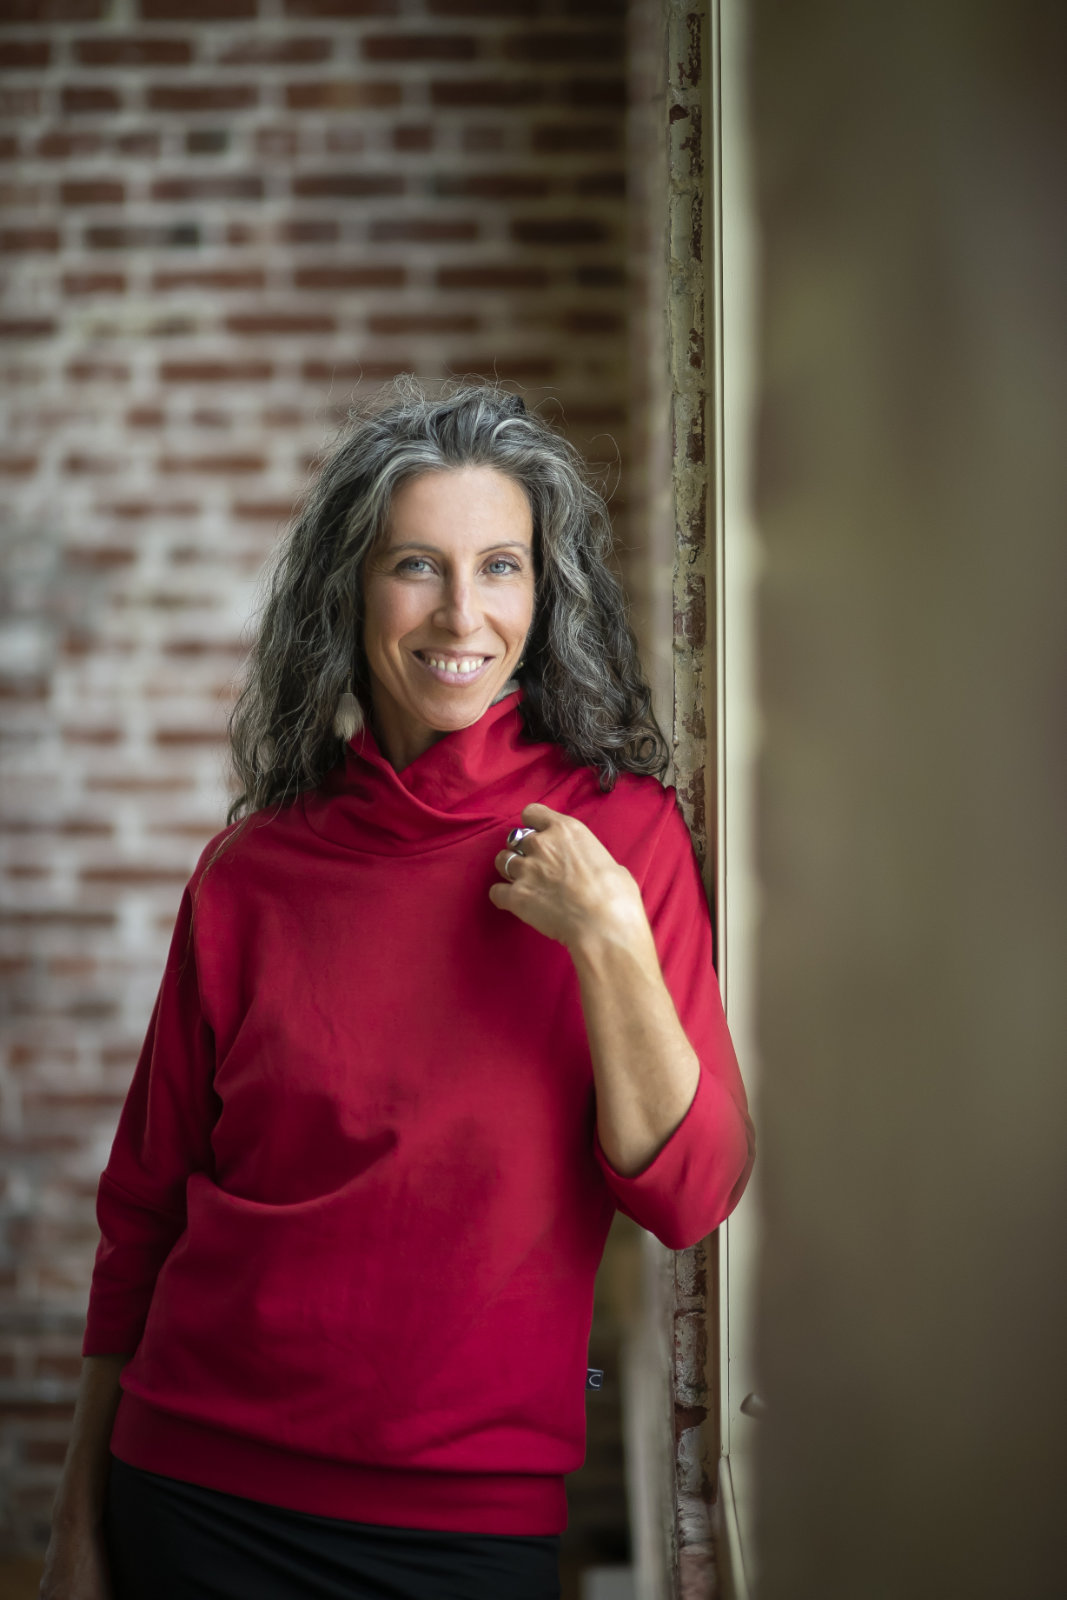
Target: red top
356,1203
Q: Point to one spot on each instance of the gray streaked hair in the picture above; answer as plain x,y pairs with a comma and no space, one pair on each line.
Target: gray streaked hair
582,681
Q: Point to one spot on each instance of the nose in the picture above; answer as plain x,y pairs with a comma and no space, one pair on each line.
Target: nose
458,612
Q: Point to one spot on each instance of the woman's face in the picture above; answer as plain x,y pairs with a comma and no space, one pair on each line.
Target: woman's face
449,599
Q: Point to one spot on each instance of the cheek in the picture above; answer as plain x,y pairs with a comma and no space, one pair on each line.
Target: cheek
385,615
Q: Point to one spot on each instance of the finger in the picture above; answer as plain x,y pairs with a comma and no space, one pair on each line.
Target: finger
537,815
507,864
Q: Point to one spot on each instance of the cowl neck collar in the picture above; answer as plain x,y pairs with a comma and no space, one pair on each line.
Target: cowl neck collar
466,782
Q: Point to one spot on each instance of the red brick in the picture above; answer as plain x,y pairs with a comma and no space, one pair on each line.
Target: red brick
495,185
283,417
347,185
272,511
560,138
509,369
595,8
337,278
197,10
24,55
601,185
482,137
423,322
27,328
31,11
267,324
277,144
340,8
171,738
164,236
219,186
70,1099
87,100
20,194
419,47
92,192
98,371
207,141
127,874
310,230
145,417
16,101
100,557
424,230
76,465
23,687
331,372
236,464
132,50
343,94
268,52
138,142
136,783
225,280
412,137
580,322
600,277
559,230
345,140
81,733
59,916
207,371
143,510
584,93
23,240
477,8
202,97
486,91
491,277
59,145
553,46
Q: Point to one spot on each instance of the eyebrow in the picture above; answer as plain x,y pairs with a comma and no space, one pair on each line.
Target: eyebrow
420,544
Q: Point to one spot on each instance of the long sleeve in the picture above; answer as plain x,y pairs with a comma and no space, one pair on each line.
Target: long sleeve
695,1180
164,1134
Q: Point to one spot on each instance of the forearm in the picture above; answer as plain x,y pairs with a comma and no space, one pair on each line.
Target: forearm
645,1070
84,1481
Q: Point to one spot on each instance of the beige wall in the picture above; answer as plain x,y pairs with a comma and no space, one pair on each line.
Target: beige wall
912,492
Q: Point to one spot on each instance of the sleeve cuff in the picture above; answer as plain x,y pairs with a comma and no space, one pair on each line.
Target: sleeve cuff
694,1181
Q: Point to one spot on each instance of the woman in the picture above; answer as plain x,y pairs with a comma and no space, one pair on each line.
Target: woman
437,1003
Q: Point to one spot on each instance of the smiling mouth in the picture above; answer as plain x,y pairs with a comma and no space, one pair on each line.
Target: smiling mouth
456,669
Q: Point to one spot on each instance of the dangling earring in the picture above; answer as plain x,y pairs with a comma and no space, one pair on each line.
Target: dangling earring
348,718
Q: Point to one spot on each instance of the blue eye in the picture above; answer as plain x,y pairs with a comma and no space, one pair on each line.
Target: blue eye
502,565
412,564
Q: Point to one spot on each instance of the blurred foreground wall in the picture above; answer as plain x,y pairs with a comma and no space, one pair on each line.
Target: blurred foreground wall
912,490
219,220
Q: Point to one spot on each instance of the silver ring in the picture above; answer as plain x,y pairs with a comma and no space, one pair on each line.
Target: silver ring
509,858
516,836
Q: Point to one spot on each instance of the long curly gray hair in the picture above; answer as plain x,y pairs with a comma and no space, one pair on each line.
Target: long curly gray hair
583,684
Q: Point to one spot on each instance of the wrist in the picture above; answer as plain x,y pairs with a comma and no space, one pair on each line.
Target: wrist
618,944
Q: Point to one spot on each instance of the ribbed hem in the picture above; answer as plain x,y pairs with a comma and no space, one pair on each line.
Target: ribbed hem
499,1502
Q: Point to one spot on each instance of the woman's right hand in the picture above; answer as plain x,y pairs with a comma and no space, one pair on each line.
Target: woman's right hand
75,1564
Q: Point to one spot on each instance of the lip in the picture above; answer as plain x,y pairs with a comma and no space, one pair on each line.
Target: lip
455,680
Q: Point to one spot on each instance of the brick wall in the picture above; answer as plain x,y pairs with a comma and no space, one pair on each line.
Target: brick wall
218,219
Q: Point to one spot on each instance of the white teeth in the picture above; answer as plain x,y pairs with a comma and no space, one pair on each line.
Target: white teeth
459,668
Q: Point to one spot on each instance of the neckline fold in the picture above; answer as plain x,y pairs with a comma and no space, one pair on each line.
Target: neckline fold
465,783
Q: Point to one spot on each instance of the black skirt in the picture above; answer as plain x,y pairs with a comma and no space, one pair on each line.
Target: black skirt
169,1540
